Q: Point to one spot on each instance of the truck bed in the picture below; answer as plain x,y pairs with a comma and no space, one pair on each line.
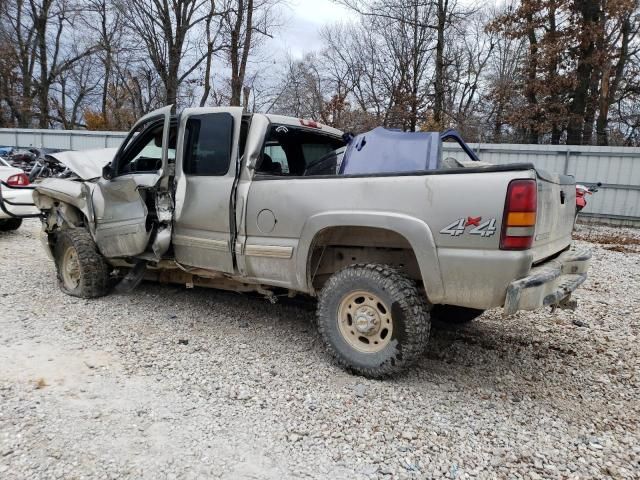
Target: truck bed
463,268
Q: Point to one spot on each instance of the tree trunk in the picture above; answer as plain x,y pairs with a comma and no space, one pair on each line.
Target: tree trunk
589,10
555,108
438,101
608,89
602,122
171,84
207,71
40,23
234,52
590,110
533,135
107,61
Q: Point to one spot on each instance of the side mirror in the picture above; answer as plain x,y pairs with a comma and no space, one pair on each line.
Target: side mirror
107,172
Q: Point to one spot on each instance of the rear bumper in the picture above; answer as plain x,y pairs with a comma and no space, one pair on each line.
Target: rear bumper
23,200
549,283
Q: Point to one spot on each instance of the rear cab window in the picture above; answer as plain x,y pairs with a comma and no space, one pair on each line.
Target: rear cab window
294,151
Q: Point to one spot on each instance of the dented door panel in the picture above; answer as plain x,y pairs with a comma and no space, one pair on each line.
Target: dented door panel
120,216
123,225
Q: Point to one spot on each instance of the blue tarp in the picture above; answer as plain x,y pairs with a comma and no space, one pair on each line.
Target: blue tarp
388,151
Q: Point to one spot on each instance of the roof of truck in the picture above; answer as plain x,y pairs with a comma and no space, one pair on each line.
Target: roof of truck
303,123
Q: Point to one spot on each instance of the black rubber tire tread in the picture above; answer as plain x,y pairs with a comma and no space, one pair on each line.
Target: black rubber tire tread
10,224
94,270
411,319
454,315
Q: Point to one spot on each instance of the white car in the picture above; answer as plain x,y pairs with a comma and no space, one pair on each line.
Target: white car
14,177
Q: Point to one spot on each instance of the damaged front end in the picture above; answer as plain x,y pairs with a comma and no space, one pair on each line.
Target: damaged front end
143,228
122,198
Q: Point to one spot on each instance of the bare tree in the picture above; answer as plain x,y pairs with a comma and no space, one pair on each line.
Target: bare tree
469,51
164,28
245,25
420,20
107,24
33,32
74,90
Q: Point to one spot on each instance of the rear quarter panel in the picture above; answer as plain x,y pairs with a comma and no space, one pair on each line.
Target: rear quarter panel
463,269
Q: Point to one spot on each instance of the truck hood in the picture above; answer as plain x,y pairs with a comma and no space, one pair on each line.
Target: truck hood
86,164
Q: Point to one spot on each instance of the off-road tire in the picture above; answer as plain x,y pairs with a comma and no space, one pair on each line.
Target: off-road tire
454,315
409,311
9,224
93,269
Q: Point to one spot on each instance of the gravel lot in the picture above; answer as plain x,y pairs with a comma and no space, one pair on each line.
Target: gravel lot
173,383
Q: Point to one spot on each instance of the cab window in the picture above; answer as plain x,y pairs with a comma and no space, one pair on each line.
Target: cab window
144,150
208,144
289,150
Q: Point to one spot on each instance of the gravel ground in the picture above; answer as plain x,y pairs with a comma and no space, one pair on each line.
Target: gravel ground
174,383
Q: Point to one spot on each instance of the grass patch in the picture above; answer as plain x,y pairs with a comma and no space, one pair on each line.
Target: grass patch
615,243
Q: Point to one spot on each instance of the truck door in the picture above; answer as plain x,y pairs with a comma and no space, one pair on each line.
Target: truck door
207,164
130,201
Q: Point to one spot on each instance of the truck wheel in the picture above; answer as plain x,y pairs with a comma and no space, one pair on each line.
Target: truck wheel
82,270
373,320
452,314
10,224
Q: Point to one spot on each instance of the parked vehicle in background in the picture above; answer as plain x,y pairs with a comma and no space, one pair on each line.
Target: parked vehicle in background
47,166
383,232
581,195
11,181
5,151
35,162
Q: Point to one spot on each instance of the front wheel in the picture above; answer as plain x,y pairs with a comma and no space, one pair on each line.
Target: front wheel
82,270
373,320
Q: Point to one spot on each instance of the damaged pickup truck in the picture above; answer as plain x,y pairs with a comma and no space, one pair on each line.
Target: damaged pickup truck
379,227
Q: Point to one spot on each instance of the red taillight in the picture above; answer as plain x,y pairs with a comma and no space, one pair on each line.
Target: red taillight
519,220
18,180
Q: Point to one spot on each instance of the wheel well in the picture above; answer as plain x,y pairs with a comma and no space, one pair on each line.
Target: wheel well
65,215
335,248
60,216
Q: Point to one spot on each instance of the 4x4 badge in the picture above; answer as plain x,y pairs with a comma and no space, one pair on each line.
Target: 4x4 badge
457,228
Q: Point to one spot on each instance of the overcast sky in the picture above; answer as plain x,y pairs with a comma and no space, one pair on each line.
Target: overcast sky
303,19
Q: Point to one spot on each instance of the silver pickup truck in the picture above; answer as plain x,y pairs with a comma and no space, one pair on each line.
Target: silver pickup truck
218,198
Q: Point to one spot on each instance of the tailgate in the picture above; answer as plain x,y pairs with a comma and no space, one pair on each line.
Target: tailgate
555,216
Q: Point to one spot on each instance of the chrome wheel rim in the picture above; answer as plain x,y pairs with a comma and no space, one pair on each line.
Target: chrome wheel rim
365,322
71,269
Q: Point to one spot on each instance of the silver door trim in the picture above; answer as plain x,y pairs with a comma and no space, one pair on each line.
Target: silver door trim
271,251
187,241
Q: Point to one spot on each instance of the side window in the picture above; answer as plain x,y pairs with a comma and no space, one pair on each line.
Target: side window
275,160
143,153
315,151
208,144
291,151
